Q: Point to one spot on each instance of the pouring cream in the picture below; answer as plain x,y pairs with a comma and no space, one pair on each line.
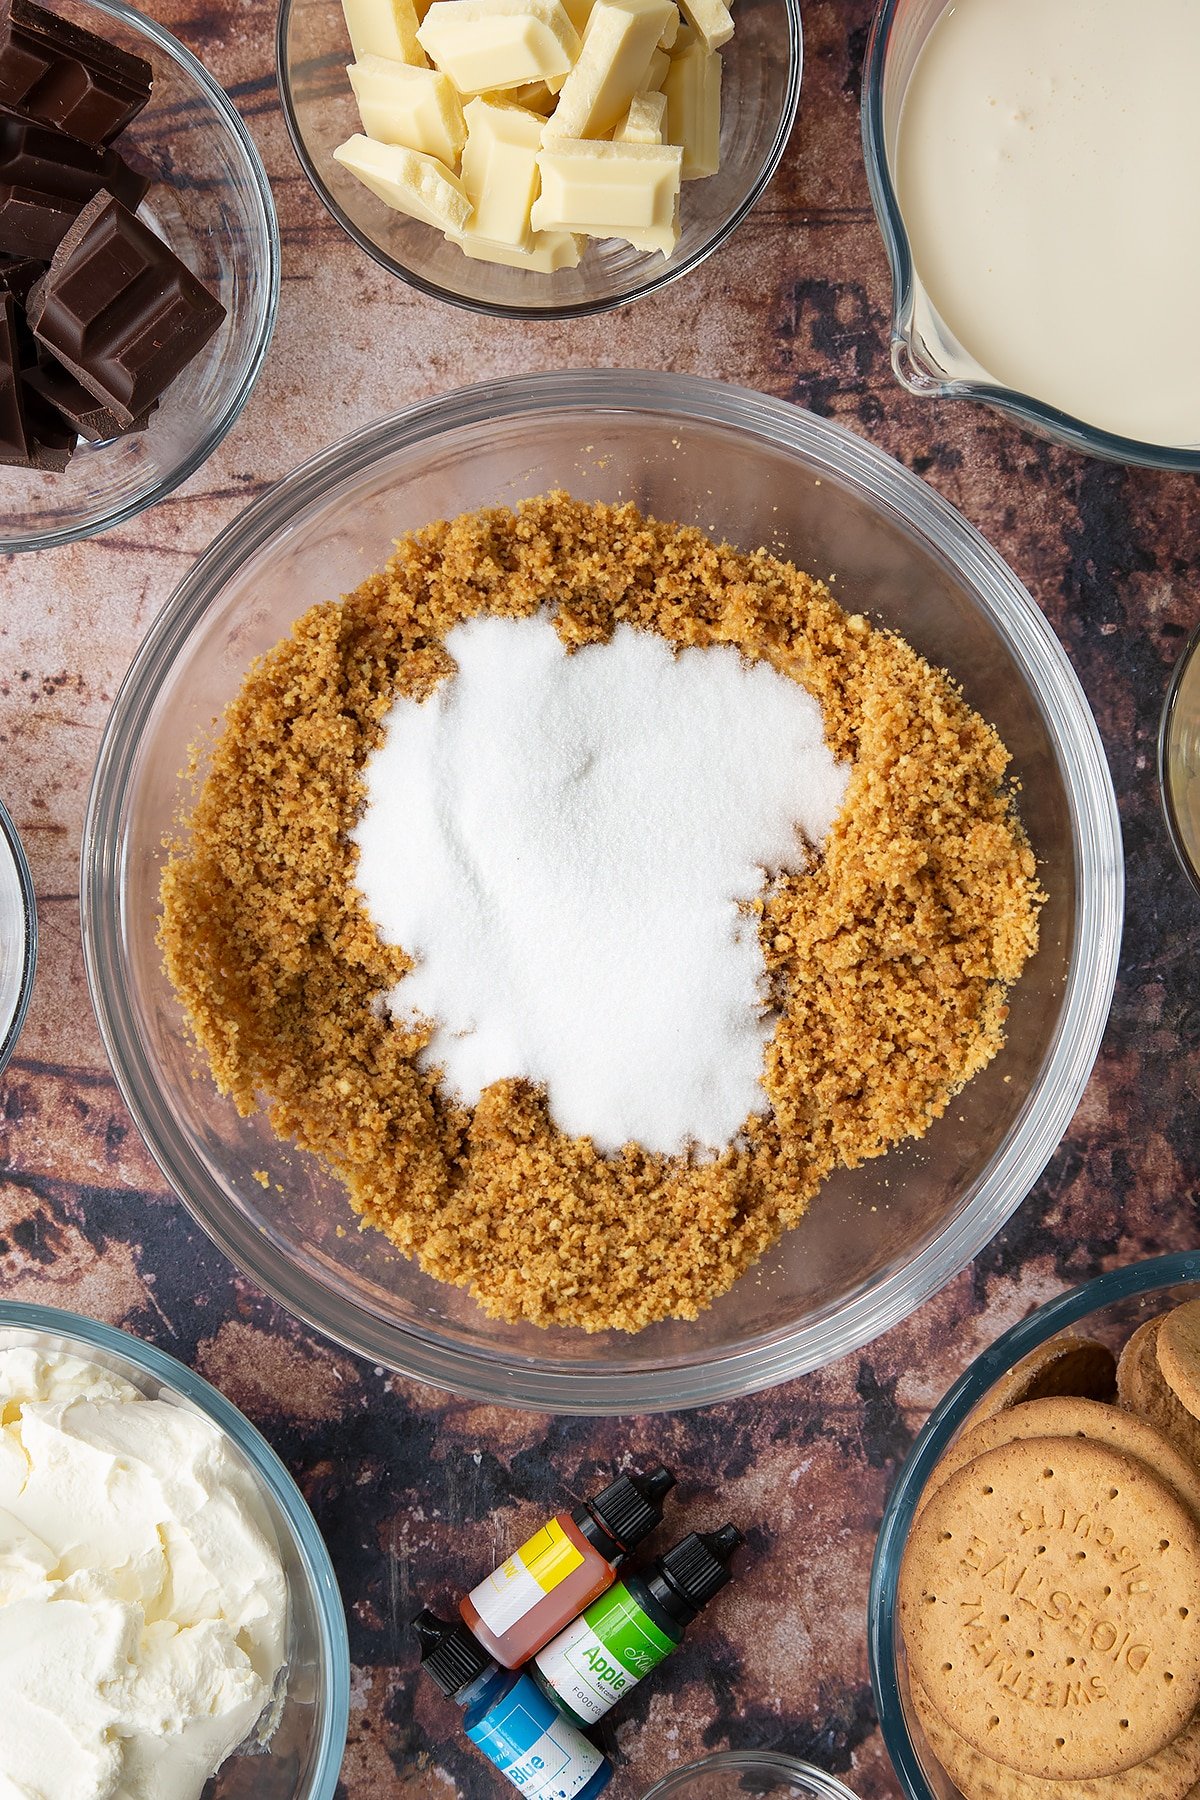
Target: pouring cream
1046,169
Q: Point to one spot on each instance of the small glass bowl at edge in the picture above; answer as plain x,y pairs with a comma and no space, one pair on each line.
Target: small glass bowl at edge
756,1771
14,1008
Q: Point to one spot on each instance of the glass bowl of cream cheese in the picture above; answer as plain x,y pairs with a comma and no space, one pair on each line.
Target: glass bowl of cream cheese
1028,166
170,1623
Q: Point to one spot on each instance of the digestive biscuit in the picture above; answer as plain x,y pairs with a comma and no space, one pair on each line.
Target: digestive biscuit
1178,1347
1143,1388
1050,1605
1066,1365
1070,1418
1174,1774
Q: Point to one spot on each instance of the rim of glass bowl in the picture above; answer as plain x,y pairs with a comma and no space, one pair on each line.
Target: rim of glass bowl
754,1762
9,833
306,1536
1165,791
269,238
909,371
1056,1315
578,309
1035,1134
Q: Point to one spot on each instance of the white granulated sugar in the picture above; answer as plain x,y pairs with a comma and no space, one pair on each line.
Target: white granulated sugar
562,841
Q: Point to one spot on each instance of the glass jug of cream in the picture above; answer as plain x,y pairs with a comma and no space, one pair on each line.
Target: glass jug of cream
1033,163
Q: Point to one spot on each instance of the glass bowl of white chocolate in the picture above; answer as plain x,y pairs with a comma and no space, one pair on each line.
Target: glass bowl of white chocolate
539,158
170,1622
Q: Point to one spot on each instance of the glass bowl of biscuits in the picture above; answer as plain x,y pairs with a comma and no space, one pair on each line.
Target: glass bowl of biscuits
1033,1623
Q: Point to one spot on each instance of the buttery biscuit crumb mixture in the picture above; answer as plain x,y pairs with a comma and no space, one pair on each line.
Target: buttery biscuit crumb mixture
888,960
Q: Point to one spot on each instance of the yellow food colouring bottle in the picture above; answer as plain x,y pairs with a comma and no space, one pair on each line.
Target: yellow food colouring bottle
569,1563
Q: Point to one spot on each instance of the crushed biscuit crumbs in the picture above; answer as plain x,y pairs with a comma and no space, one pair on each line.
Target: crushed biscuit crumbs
889,961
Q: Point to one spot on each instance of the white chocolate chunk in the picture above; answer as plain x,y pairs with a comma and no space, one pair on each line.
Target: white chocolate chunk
693,90
644,122
671,32
621,38
419,108
547,250
711,18
534,95
384,28
494,44
408,182
610,190
499,170
656,74
664,237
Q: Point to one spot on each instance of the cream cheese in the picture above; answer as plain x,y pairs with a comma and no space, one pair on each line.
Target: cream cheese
143,1606
1046,171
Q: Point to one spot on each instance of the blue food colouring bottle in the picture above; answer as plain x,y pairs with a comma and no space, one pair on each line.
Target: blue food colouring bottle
509,1719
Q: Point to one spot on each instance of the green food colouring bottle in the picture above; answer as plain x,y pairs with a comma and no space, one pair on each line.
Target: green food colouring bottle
589,1667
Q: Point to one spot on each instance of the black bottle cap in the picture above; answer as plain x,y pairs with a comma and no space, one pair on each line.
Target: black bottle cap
449,1654
630,1507
695,1570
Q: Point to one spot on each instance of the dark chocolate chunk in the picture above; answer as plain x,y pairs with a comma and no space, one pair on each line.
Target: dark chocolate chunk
52,440
119,309
63,75
47,178
15,447
17,276
88,417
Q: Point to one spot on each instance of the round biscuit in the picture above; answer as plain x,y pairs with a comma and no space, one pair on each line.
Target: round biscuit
1178,1347
1074,1418
1171,1775
1049,1600
1142,1388
1066,1365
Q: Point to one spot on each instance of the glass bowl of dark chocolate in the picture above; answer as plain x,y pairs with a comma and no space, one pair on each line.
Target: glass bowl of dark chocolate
139,267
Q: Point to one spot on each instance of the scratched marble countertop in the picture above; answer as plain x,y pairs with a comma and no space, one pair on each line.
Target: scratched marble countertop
416,1492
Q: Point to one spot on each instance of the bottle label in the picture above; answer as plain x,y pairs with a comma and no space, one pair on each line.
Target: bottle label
530,1742
527,1576
604,1654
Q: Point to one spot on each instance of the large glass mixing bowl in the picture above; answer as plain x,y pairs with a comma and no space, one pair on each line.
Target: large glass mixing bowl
758,472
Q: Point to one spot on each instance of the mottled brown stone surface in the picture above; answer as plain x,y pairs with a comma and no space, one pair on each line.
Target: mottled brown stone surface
409,1486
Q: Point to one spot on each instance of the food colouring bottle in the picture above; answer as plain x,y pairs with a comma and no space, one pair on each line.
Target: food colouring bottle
569,1563
631,1629
512,1722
